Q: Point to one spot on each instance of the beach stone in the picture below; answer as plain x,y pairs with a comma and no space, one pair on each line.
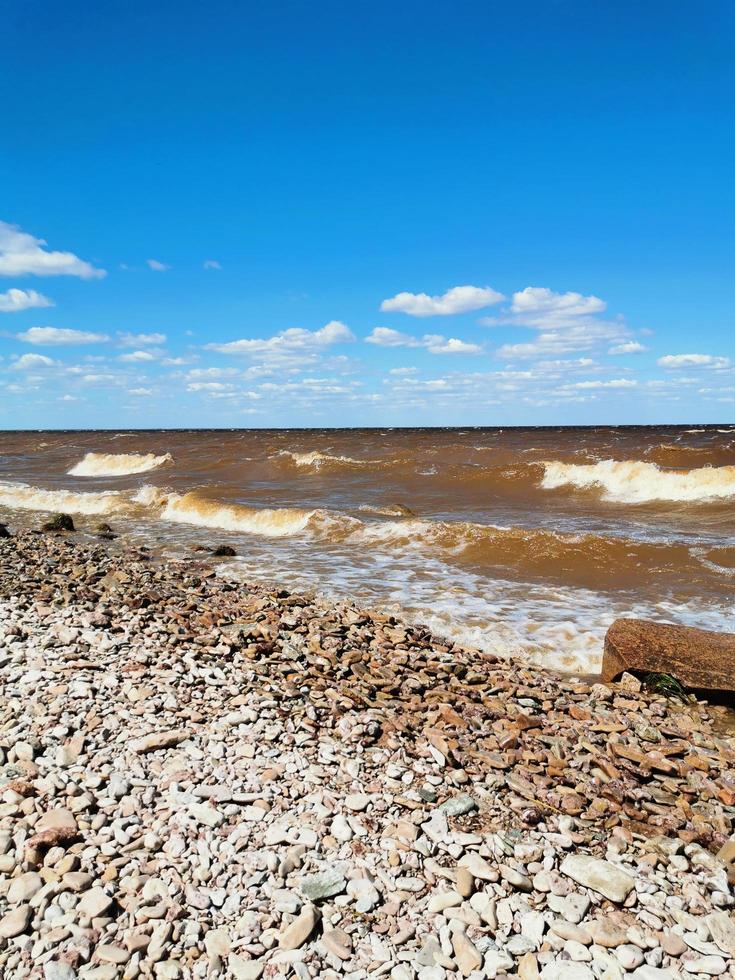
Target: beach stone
699,659
711,966
364,893
24,887
566,970
628,956
601,876
300,930
158,740
722,930
338,943
357,801
457,806
15,922
95,903
466,954
242,969
464,882
323,884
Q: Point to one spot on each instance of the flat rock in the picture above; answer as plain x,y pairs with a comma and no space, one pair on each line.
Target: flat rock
700,659
600,876
158,740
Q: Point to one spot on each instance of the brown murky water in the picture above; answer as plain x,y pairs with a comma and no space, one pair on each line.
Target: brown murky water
515,540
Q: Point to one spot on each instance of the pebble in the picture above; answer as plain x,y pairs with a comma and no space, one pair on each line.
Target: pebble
207,762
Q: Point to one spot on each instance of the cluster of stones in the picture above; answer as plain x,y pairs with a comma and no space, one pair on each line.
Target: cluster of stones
201,779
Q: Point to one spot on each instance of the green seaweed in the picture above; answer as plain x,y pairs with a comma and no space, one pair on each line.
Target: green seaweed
668,685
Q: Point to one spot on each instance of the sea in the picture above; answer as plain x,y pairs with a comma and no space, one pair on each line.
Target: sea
526,542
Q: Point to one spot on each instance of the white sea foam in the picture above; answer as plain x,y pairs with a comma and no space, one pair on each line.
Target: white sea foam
22,497
118,464
317,460
635,482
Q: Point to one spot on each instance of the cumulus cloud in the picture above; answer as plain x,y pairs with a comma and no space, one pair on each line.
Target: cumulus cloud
458,299
693,360
387,337
454,346
60,337
141,339
288,343
17,300
211,264
21,254
537,306
628,347
566,322
29,362
137,357
157,266
434,343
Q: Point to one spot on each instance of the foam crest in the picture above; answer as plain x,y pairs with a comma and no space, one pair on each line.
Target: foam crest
22,497
273,523
118,464
316,460
635,482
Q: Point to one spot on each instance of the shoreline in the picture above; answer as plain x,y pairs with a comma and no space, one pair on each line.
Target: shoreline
203,777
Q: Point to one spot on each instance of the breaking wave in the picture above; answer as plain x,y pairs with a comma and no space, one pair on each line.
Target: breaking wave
316,460
635,482
118,464
190,508
23,497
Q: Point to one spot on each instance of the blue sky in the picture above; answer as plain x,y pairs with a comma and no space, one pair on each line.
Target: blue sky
387,214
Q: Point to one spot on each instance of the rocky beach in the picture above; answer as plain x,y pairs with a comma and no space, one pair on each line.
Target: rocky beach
202,778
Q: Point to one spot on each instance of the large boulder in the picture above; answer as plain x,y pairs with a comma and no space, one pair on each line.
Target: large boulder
699,659
4,532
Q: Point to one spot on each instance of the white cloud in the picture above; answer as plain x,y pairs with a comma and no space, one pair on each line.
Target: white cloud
211,264
454,346
141,339
209,386
157,266
615,383
140,392
288,342
22,254
458,299
137,357
211,372
68,398
17,300
29,362
60,337
693,360
537,306
434,343
628,347
403,371
387,337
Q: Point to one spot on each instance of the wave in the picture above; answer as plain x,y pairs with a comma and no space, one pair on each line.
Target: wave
118,464
635,482
22,497
316,460
190,508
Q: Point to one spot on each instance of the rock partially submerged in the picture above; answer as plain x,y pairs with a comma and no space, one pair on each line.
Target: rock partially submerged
59,522
698,659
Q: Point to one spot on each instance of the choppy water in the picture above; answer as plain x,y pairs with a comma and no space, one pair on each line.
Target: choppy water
514,540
